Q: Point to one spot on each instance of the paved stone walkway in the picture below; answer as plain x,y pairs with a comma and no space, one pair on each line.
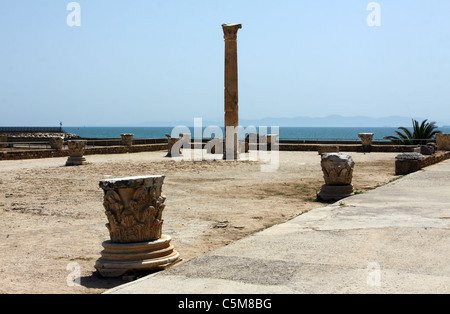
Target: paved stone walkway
394,239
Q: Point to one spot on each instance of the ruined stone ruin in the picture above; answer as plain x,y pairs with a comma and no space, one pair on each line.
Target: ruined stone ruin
231,151
134,207
76,152
366,138
338,173
406,163
56,142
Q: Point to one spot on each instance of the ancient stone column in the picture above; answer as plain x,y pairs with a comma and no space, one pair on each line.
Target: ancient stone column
127,139
56,142
443,141
134,207
338,173
231,91
76,152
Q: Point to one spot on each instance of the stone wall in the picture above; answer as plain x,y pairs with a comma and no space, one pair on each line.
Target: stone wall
36,154
162,144
350,148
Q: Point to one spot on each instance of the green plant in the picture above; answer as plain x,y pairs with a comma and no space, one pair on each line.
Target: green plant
422,134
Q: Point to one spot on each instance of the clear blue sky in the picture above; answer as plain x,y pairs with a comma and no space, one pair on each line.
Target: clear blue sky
145,60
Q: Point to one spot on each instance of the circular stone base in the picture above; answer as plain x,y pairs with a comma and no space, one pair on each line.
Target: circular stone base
334,192
119,258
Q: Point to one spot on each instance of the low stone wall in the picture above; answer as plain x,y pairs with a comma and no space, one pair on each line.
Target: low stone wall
36,154
113,147
350,148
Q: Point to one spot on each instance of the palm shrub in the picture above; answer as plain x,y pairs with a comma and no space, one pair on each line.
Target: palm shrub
422,134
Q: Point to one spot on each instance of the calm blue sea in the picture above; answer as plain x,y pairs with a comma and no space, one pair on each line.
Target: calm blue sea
330,133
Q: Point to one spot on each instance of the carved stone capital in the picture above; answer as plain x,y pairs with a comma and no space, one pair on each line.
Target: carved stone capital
56,142
127,139
76,148
338,172
366,138
230,31
76,151
134,207
337,168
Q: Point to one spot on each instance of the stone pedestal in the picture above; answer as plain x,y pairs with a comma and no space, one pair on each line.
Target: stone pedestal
408,162
3,141
366,138
231,91
366,141
127,139
443,141
338,173
56,142
134,207
76,152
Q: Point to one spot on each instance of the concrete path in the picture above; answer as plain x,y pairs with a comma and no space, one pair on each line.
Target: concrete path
394,239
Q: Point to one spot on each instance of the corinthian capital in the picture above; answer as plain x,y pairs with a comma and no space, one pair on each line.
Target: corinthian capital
230,31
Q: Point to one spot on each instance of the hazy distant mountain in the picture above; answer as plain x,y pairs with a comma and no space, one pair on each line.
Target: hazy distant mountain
329,121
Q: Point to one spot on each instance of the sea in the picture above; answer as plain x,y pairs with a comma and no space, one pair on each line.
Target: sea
297,133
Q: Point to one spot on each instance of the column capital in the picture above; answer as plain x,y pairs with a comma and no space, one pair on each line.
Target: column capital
230,31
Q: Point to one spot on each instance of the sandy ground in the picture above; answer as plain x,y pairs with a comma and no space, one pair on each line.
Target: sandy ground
53,221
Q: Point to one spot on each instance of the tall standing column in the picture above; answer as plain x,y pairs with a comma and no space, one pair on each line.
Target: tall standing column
231,91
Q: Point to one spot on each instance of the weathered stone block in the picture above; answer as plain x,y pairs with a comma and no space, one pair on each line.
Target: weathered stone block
408,162
56,142
427,149
443,141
